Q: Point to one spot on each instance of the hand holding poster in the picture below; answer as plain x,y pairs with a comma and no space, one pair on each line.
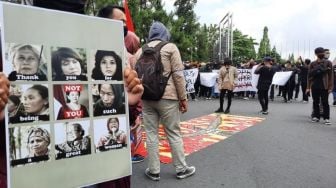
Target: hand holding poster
53,132
281,78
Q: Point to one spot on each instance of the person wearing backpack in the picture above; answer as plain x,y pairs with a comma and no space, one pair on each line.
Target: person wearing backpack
161,60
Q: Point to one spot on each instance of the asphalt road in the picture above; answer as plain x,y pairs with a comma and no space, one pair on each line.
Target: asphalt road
286,150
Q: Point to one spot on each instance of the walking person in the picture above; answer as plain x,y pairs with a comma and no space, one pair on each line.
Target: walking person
303,77
320,83
265,80
226,82
167,109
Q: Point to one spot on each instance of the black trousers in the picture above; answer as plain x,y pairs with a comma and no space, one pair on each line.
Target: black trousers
221,98
304,88
263,99
288,91
320,95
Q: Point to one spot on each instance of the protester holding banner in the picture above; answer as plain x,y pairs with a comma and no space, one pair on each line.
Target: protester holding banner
303,77
67,65
265,80
28,62
4,94
288,89
132,44
226,82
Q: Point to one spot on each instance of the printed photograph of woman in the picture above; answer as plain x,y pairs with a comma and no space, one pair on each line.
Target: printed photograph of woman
72,99
32,106
29,144
108,66
72,139
67,64
27,62
111,136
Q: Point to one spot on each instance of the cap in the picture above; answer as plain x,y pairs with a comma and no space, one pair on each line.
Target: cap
267,59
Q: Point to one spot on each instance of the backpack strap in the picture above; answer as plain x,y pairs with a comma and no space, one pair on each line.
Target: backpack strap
160,45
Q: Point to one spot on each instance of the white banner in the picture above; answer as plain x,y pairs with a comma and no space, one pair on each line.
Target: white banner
281,78
255,77
208,79
244,81
190,76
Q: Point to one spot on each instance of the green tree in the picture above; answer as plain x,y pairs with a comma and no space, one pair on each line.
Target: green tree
264,47
186,28
274,54
243,47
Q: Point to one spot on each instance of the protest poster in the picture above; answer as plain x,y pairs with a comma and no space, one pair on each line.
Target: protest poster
244,81
68,125
281,78
255,77
208,79
190,76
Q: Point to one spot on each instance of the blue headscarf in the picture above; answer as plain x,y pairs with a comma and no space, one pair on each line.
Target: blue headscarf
158,32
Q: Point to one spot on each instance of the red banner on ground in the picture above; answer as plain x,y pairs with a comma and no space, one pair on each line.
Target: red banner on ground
201,132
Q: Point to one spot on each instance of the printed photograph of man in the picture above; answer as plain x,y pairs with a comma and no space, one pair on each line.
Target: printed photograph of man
32,105
111,136
72,139
108,66
29,144
71,101
111,101
25,62
68,64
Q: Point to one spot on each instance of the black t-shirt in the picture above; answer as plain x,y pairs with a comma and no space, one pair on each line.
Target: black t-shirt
265,78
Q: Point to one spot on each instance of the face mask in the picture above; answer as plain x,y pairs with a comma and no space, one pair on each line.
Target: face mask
125,31
320,56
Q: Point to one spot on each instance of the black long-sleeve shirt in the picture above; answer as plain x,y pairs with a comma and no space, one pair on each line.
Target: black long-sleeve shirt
265,78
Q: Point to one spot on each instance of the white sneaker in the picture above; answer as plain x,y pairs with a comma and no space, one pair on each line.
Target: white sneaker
315,119
327,122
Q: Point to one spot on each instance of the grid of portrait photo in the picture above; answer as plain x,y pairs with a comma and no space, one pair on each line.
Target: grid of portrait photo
64,102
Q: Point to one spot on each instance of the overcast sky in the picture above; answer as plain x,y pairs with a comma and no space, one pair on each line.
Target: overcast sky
297,26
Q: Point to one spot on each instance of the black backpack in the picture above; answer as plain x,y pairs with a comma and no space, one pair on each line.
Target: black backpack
150,70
